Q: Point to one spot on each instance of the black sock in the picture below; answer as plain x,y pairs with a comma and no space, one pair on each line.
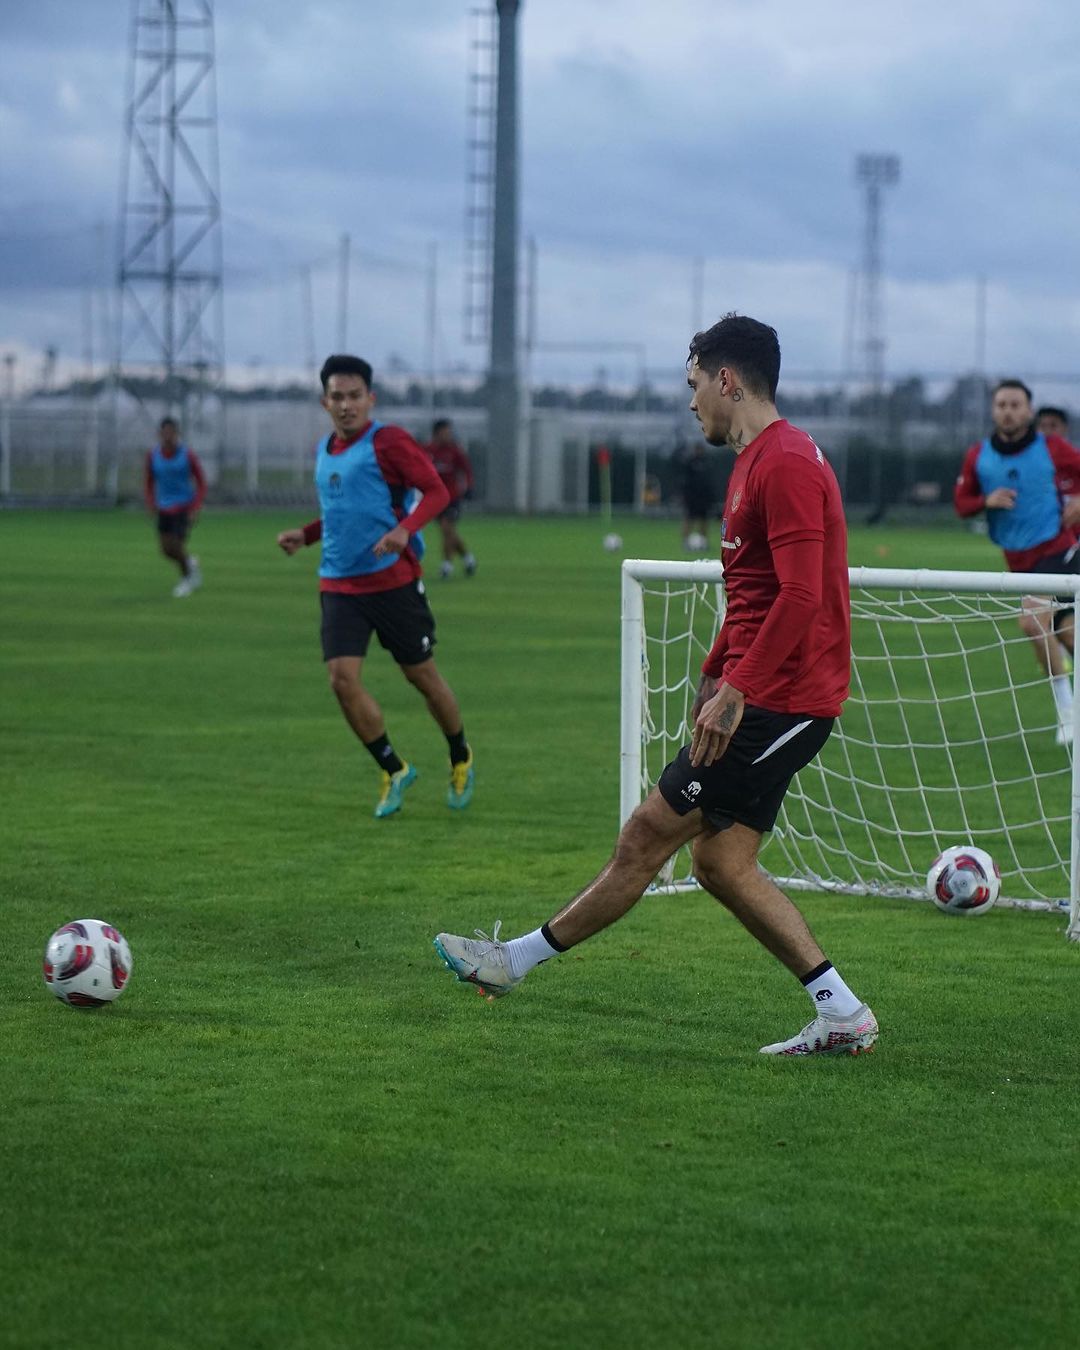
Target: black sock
552,941
382,752
459,750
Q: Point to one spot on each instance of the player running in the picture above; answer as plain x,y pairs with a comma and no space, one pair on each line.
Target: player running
175,487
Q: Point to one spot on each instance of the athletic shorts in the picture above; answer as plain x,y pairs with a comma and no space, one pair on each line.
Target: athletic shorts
176,523
748,782
1061,564
452,514
400,618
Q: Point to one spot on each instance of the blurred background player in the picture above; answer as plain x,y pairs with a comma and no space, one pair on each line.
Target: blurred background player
454,469
175,487
697,487
1053,422
772,686
367,474
1024,480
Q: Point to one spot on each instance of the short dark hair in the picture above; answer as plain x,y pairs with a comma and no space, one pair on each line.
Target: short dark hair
168,422
1047,411
438,425
1013,384
752,348
345,365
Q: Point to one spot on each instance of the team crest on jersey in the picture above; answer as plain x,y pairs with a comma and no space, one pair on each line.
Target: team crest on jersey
736,500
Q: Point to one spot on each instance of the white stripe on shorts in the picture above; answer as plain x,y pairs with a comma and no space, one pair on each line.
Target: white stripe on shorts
783,740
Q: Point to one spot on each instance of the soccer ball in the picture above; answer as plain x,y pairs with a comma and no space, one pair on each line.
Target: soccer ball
87,963
613,542
696,543
964,880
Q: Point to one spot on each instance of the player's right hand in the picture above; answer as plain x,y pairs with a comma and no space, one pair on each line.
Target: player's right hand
290,540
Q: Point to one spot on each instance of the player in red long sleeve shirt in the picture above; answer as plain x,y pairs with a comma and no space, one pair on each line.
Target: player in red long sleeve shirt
454,468
772,687
368,475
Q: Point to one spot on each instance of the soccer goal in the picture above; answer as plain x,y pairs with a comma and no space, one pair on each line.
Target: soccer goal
950,734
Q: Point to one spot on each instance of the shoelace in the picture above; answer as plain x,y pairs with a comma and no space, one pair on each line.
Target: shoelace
493,940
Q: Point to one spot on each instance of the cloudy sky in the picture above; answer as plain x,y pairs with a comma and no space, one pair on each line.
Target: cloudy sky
654,133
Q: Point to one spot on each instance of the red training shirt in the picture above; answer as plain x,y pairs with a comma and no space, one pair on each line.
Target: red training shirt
403,464
785,642
453,467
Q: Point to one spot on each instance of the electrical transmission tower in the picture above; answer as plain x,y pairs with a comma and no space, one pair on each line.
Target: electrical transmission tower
874,173
170,327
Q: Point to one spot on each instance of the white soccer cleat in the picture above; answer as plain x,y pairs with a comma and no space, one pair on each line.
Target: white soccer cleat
182,588
827,1035
482,963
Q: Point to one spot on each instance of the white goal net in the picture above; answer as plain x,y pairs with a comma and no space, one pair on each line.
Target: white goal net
950,734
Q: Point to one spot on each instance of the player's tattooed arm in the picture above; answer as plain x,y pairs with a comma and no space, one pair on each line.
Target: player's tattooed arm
706,689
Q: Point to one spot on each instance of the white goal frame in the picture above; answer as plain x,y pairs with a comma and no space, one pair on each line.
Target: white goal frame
637,572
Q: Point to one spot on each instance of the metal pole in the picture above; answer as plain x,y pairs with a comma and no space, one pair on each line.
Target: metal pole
432,321
343,294
504,381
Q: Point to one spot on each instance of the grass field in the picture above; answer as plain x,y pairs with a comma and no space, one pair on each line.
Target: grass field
295,1130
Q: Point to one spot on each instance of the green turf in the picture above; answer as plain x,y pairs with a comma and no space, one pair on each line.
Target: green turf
295,1130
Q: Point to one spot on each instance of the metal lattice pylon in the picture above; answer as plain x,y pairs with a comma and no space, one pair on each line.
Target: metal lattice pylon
170,329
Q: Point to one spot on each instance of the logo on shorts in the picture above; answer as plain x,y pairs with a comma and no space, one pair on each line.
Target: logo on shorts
425,642
691,790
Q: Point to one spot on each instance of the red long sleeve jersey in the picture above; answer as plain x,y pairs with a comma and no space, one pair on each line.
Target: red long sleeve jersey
402,463
453,467
785,642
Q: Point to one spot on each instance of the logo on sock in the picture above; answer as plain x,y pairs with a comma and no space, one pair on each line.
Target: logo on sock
823,995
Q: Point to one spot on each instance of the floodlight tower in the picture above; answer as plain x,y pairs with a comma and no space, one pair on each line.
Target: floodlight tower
170,327
504,375
874,173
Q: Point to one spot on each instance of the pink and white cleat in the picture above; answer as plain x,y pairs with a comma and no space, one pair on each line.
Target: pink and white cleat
827,1035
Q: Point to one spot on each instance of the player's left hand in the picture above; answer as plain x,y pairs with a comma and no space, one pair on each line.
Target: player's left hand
1070,514
715,725
394,541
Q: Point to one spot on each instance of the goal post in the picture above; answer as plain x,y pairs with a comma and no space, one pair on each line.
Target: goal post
950,734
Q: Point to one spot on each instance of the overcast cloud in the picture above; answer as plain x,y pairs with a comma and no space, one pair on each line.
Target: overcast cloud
652,133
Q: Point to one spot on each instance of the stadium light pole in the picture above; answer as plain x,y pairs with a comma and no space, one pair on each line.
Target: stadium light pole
504,375
874,173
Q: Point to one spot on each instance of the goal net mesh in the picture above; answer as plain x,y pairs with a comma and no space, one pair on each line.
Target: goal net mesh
949,736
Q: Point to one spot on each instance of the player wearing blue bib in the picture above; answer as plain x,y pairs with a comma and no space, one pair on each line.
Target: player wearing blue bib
174,488
1026,481
377,490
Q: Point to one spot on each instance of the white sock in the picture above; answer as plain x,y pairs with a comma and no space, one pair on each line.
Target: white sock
1063,696
828,992
525,952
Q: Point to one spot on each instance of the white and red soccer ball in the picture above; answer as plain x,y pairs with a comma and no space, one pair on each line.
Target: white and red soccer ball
964,880
87,963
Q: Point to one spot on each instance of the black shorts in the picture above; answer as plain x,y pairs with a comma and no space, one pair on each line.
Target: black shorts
400,618
176,523
748,782
1065,564
452,514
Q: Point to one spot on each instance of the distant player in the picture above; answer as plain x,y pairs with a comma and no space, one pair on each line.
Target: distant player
773,684
1052,422
1024,480
698,491
453,466
175,488
367,474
